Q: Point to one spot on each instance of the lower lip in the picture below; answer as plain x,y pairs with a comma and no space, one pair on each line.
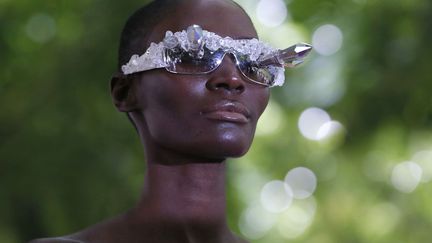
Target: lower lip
227,116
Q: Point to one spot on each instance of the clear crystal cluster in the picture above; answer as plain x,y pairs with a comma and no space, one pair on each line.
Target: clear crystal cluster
154,56
151,59
250,47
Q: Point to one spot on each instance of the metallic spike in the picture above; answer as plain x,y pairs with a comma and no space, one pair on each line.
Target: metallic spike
195,37
289,57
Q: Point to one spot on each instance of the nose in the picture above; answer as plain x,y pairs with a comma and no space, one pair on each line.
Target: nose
226,77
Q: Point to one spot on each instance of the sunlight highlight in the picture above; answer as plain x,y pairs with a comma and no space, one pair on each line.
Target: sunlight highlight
329,129
297,219
271,13
255,221
302,181
310,122
276,196
424,160
316,124
327,39
406,176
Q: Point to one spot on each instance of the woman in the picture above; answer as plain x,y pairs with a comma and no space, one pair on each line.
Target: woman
193,105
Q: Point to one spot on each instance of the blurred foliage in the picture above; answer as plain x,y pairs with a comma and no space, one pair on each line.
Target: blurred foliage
68,159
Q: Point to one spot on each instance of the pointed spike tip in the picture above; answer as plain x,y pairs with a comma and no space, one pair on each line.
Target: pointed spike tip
302,49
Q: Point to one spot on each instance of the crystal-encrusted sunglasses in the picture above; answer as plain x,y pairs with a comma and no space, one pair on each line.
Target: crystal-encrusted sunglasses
197,51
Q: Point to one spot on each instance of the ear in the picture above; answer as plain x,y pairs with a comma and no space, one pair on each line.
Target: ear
122,93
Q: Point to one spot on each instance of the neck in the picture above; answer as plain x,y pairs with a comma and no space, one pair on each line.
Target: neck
190,194
183,196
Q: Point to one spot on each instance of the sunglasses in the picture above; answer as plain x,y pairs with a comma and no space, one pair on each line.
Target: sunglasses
197,51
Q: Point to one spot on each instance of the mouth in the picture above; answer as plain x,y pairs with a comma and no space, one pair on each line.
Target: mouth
228,111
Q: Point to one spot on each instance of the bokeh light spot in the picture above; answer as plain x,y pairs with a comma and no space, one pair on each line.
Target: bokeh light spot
255,221
295,220
329,129
327,39
302,181
424,160
41,28
310,122
276,196
271,13
406,176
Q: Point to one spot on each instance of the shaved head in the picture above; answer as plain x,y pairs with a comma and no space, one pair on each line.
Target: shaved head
140,25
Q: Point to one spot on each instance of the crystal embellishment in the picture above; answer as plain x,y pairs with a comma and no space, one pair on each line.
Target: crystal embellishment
194,39
289,57
170,41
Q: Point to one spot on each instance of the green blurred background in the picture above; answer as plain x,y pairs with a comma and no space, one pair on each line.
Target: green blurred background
356,117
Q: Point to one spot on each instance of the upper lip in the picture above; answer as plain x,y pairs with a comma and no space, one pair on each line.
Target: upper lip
229,106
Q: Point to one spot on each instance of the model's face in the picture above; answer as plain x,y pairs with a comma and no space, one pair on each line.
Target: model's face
208,116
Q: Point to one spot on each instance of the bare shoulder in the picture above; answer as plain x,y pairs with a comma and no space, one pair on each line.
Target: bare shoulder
56,240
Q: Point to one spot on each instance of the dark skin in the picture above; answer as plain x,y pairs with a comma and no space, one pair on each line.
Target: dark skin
189,125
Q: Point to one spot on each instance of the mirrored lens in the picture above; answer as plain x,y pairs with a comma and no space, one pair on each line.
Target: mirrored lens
183,62
254,72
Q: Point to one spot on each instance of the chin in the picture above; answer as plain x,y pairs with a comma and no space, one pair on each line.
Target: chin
228,141
228,147
223,153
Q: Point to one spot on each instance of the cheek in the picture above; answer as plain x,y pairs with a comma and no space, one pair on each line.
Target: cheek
170,110
164,115
172,116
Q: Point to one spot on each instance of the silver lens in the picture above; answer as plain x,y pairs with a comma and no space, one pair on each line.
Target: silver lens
184,62
254,72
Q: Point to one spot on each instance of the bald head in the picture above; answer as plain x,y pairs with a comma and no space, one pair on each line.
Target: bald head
139,30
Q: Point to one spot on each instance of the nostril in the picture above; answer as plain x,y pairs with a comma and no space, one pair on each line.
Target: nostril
222,86
240,88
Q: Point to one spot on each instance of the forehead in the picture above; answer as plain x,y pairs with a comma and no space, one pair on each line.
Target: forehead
221,17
